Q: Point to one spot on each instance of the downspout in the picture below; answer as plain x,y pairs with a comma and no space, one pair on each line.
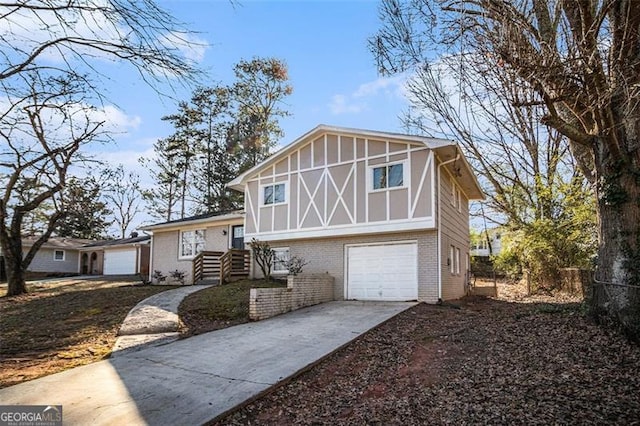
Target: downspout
151,258
440,226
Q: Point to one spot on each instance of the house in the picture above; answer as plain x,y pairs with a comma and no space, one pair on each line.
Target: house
57,256
125,256
487,243
194,245
61,256
385,214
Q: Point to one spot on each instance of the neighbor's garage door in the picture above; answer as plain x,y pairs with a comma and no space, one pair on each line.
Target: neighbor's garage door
120,262
382,272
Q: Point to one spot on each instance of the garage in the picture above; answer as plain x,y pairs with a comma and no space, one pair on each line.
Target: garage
120,262
384,272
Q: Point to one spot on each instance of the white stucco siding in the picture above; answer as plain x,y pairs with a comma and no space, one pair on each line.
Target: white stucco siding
329,190
166,246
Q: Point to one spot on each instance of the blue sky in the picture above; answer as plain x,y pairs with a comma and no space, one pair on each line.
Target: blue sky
324,44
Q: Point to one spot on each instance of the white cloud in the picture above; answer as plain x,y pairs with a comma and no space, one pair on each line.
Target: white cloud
391,86
116,120
340,105
191,47
27,29
358,100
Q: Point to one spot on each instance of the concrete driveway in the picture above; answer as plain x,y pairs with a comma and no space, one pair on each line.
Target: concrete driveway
194,380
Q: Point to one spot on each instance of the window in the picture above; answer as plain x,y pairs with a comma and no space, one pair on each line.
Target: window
388,176
456,196
281,257
457,262
191,242
273,194
58,255
452,264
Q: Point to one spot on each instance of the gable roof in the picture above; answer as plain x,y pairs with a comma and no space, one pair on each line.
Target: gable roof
120,242
198,219
444,148
62,243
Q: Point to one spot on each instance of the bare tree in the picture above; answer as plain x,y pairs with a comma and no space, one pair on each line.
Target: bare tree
526,168
581,59
60,35
123,195
42,134
48,50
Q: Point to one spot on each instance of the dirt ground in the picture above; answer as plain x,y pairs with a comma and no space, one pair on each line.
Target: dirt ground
62,324
514,360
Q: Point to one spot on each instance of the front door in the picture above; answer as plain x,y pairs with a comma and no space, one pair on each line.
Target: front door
237,237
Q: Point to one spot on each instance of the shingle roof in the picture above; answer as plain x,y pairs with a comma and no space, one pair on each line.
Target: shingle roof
222,215
120,242
58,242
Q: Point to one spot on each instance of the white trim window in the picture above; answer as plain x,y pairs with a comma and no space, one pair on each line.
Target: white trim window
274,194
457,261
59,255
452,262
191,243
280,260
456,197
388,176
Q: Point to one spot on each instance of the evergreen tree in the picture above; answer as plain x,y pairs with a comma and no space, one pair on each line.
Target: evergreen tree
220,132
163,197
85,215
216,165
182,148
259,92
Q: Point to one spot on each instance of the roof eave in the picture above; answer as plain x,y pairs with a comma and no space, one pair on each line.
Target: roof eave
177,225
239,182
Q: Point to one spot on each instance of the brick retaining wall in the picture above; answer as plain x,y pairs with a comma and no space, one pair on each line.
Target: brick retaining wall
301,291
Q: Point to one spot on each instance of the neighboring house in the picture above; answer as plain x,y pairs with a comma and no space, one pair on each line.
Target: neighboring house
125,256
486,247
177,243
56,256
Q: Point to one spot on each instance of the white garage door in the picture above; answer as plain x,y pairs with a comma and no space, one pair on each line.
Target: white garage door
120,262
382,272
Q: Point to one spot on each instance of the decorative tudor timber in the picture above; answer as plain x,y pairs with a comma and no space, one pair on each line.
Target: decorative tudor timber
384,214
365,207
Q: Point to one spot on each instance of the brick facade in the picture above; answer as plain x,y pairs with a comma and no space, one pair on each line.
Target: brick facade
328,256
301,291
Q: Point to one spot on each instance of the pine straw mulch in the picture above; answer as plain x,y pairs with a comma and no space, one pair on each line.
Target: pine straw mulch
513,360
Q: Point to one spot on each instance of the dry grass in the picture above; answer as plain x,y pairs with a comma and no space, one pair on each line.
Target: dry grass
219,307
63,324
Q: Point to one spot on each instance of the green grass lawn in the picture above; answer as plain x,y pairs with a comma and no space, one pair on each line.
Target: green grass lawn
219,307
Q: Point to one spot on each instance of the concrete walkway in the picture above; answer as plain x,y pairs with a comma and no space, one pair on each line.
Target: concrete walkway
152,322
194,380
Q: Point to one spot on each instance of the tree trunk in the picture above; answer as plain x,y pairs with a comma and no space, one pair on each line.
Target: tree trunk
616,292
15,272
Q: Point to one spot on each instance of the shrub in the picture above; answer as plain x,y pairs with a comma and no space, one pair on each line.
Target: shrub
178,275
264,255
158,276
295,265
